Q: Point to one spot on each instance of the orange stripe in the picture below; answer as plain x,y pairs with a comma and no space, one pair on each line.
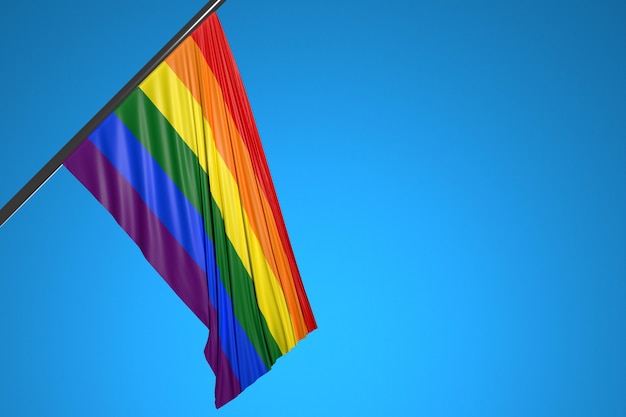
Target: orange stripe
188,62
214,46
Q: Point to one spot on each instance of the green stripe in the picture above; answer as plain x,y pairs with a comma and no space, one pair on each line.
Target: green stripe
159,138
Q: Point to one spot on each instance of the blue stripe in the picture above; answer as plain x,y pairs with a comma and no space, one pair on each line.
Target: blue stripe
185,223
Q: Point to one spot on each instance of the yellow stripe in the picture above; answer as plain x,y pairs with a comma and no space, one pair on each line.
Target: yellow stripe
190,66
184,113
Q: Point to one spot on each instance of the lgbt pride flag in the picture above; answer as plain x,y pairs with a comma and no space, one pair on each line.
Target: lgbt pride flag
179,165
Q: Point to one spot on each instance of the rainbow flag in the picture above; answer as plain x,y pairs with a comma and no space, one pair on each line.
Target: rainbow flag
179,165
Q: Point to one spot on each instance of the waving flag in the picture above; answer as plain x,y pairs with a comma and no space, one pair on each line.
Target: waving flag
179,165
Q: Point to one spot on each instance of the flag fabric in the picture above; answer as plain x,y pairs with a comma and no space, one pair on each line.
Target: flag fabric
179,165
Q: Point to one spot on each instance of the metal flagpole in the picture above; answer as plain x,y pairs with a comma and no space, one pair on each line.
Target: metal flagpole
53,165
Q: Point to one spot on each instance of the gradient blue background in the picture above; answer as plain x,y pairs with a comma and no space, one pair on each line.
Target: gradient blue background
452,175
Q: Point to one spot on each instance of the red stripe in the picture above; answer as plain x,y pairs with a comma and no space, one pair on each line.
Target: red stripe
220,59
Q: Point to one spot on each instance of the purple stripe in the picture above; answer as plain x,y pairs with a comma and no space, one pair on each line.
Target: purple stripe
159,247
127,155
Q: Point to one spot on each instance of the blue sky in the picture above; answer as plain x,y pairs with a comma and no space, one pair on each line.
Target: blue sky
452,176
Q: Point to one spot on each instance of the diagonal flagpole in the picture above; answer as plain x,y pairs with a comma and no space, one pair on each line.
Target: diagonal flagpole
53,165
